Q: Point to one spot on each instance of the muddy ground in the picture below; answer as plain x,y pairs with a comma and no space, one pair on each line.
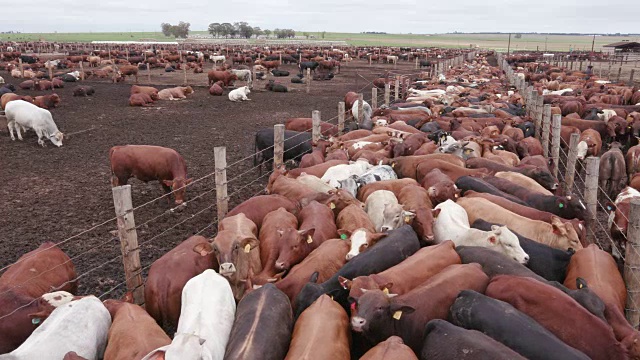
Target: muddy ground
52,194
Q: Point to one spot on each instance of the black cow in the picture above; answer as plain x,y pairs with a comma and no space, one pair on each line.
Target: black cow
262,327
425,63
567,207
556,262
296,80
276,72
29,59
506,324
7,89
275,87
398,245
296,144
466,183
431,127
68,78
527,128
320,77
303,66
288,59
444,340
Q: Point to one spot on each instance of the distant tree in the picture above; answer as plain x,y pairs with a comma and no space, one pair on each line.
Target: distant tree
305,34
257,31
245,30
179,31
214,29
166,29
323,34
267,32
226,29
518,36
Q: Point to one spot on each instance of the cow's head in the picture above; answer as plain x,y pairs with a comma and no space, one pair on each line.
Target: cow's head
374,314
56,138
178,185
361,284
231,252
567,236
394,216
361,240
294,246
423,223
501,239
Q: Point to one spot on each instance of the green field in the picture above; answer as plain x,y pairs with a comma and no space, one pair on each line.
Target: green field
492,41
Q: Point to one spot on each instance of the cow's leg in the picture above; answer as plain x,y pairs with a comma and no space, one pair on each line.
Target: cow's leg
10,125
40,136
17,127
167,189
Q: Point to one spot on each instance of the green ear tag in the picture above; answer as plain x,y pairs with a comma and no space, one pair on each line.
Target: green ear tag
35,321
561,205
343,236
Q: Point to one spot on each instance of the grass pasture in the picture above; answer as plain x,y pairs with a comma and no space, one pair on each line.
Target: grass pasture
491,41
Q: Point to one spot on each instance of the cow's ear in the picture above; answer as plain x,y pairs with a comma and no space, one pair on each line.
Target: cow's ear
398,310
344,234
344,282
203,249
188,181
167,182
251,242
436,212
307,235
492,240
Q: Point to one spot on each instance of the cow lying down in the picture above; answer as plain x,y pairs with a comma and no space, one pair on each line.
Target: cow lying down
239,94
176,93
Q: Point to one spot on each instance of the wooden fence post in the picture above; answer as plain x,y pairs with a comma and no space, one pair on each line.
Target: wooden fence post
220,164
632,265
316,133
397,89
148,73
631,77
546,124
619,72
50,73
341,118
308,80
416,62
556,125
21,67
184,69
374,98
572,157
387,94
278,145
591,195
538,121
360,108
128,241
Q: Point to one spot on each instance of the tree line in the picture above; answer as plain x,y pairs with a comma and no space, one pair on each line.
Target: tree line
226,30
178,31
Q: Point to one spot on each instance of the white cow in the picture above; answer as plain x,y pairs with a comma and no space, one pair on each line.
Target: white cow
385,212
206,317
314,182
341,172
557,92
239,94
75,74
430,93
453,224
51,64
218,58
392,59
607,114
15,73
243,75
22,114
81,326
366,109
1,80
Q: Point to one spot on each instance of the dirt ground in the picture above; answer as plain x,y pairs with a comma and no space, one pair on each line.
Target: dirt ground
52,194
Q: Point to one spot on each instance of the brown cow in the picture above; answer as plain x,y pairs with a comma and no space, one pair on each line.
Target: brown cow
326,260
306,124
529,147
6,98
319,217
147,163
168,275
133,333
277,227
140,100
416,199
392,348
47,101
378,315
612,173
34,274
237,250
321,332
226,77
128,70
316,170
590,144
216,89
409,274
175,93
149,90
560,314
439,186
406,166
257,207
452,171
392,185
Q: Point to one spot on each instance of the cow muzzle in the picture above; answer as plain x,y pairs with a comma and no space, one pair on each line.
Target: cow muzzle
227,269
357,323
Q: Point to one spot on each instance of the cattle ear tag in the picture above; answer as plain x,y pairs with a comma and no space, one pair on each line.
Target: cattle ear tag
393,165
385,291
561,205
309,239
397,314
36,321
343,236
332,206
407,219
247,248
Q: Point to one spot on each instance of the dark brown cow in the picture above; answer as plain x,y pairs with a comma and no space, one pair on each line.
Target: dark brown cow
133,333
613,173
439,186
148,163
140,100
378,316
306,124
168,275
529,147
36,273
149,90
322,330
128,70
560,314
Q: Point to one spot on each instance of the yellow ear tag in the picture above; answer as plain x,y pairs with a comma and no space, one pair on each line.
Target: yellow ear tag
407,219
393,165
385,291
331,297
247,248
309,239
332,206
397,314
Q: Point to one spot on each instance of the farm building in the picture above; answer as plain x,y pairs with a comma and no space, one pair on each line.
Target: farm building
629,50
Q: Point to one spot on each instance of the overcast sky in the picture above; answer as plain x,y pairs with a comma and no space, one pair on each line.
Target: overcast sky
396,16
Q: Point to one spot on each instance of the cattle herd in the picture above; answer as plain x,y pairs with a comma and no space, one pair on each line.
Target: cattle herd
432,229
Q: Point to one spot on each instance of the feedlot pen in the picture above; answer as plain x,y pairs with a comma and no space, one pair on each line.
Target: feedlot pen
52,194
